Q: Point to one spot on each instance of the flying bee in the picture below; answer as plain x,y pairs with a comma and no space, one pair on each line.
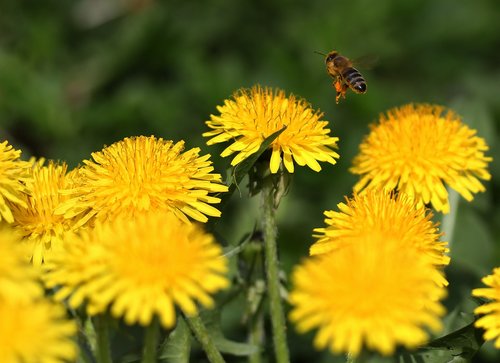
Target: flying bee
344,75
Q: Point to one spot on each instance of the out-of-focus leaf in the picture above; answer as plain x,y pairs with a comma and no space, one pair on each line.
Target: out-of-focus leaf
177,346
231,251
126,341
476,114
211,318
472,244
87,330
458,346
35,99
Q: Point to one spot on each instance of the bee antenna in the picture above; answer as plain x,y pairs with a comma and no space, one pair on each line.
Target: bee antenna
323,54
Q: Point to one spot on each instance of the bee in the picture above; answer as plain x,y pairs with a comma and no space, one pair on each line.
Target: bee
344,75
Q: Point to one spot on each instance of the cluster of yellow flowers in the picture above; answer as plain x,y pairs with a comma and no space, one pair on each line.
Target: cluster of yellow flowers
120,232
25,313
375,275
112,234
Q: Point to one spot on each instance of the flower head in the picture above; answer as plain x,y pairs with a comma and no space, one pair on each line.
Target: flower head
374,293
254,114
490,322
384,218
139,268
418,149
374,278
43,229
36,331
144,174
13,173
32,329
18,280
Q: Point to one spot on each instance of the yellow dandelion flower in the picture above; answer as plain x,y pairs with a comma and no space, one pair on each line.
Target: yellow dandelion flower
385,217
13,173
373,294
18,280
254,114
37,222
490,322
139,268
36,331
145,174
32,329
418,149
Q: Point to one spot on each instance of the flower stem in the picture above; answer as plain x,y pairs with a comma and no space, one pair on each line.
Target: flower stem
268,211
203,336
150,342
101,323
448,220
361,358
86,354
256,336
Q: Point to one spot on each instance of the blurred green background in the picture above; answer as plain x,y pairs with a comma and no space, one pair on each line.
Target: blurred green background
78,75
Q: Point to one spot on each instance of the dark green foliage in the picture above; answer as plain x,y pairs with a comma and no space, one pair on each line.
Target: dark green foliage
461,345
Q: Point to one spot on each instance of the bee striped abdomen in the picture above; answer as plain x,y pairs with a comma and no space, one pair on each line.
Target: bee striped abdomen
354,80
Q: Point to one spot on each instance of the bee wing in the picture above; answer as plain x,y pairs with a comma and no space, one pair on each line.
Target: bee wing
367,61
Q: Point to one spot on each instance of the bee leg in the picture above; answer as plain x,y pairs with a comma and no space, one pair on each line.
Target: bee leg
341,88
339,94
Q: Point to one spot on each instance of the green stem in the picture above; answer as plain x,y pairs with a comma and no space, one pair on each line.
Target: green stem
361,358
150,342
86,354
278,323
203,336
350,358
448,220
256,337
101,324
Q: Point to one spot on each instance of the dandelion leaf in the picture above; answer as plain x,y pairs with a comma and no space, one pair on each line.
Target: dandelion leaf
211,318
177,346
457,347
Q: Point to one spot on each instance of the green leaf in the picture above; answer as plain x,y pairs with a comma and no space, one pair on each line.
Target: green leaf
86,355
177,346
458,346
211,318
473,244
234,348
243,168
466,339
231,251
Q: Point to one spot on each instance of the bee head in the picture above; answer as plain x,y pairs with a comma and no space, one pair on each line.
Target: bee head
331,56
